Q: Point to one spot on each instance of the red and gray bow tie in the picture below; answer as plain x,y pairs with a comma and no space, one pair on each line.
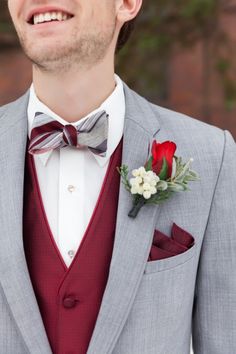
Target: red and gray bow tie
48,134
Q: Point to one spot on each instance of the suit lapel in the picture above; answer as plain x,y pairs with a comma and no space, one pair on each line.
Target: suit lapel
133,237
14,276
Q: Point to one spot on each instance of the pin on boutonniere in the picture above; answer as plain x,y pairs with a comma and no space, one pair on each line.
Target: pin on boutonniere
162,175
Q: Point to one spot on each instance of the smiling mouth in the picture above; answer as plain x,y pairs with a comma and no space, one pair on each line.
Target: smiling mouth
52,16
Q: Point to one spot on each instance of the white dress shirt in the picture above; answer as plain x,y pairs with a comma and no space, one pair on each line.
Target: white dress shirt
70,179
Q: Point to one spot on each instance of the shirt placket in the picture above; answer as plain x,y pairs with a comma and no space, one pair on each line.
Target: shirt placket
71,202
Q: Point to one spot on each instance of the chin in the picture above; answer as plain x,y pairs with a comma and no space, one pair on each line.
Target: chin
42,54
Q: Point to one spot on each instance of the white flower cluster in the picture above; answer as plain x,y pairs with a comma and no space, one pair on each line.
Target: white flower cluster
144,182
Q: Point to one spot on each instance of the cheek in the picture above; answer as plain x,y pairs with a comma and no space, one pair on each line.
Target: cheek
11,7
16,8
12,11
106,11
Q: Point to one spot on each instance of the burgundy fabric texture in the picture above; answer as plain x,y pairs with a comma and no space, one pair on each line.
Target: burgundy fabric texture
164,246
69,298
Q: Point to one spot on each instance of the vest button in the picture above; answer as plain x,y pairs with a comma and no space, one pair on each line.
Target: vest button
69,302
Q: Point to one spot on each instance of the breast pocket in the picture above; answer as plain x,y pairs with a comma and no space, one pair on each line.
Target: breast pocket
170,262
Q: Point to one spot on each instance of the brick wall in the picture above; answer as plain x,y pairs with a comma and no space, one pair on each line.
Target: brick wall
15,74
195,86
191,89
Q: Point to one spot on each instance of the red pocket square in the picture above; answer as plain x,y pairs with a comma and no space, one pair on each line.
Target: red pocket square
164,246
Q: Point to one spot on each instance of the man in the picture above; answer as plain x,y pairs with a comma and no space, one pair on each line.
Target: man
77,273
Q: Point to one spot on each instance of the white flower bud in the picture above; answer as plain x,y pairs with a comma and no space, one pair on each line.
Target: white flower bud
153,190
139,179
147,194
144,182
146,186
140,190
142,171
132,181
147,179
135,172
150,174
153,183
134,190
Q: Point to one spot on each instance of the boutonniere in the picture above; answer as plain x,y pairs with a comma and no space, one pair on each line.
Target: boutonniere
162,175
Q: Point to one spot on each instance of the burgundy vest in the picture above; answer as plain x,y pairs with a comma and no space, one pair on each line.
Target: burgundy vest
69,298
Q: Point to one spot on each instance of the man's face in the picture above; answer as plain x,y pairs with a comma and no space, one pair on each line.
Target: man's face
57,34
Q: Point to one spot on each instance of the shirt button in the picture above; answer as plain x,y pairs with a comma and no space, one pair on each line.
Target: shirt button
71,253
71,188
69,302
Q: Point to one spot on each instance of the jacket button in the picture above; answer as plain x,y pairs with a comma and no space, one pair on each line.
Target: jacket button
69,302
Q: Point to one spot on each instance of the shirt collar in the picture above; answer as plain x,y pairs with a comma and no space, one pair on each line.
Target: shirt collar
114,105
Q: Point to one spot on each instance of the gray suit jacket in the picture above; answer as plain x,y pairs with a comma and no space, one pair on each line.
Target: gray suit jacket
148,307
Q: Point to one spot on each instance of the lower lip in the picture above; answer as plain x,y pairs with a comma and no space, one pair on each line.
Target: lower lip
49,24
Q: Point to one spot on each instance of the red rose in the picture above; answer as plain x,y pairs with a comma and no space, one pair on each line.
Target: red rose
161,151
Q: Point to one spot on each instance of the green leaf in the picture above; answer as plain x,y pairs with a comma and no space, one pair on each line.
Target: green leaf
123,171
176,187
159,197
164,169
194,174
149,164
162,185
183,172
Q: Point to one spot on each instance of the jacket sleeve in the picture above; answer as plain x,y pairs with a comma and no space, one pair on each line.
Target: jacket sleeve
214,308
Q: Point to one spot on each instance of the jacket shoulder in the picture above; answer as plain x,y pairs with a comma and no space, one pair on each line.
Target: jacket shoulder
4,108
204,135
178,125
14,105
180,120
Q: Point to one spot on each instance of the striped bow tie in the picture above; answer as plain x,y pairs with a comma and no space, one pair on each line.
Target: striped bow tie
48,134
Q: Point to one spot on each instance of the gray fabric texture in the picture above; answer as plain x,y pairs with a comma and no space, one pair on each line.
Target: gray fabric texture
148,307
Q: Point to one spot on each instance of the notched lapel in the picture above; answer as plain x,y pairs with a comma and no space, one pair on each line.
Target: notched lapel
133,237
14,276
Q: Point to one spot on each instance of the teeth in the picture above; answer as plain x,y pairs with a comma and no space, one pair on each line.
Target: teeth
59,16
40,18
53,15
49,16
36,19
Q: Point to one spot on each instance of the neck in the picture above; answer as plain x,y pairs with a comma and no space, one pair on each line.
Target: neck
74,94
